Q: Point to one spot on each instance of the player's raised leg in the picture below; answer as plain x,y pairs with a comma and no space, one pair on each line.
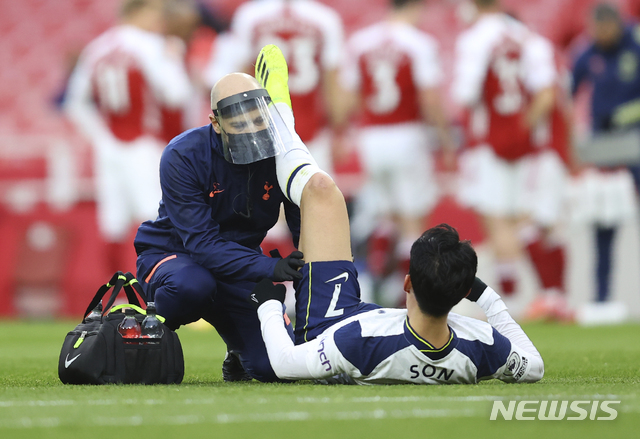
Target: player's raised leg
324,232
324,227
295,166
329,289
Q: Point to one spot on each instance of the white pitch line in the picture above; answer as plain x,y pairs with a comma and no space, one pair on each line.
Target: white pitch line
242,418
312,400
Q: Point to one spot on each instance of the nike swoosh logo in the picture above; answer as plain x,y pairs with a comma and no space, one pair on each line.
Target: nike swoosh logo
254,298
68,362
344,276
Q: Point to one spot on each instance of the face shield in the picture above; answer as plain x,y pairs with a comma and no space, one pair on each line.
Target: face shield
247,127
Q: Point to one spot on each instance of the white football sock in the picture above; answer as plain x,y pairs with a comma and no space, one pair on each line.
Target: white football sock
295,166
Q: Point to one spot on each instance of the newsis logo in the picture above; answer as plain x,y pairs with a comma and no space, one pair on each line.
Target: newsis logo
554,410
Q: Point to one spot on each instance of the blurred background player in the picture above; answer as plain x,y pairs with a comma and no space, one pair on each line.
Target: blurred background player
610,64
541,234
127,95
504,77
392,74
311,36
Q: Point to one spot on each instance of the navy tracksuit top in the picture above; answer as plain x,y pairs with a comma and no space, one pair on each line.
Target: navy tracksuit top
614,73
215,211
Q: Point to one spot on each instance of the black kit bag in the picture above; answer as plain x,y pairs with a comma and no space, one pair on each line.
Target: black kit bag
95,352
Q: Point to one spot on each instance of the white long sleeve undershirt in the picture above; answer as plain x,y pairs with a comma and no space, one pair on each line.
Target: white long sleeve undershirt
289,362
498,317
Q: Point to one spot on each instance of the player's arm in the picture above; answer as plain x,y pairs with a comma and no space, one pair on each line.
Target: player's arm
470,70
330,61
498,317
200,234
339,101
433,111
347,84
540,78
164,67
427,74
289,362
82,110
540,106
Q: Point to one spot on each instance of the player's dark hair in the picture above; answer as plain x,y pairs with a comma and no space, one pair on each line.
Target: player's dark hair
398,4
442,269
605,12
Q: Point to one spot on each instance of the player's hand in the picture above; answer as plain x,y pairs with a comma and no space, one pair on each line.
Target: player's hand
476,290
266,290
287,268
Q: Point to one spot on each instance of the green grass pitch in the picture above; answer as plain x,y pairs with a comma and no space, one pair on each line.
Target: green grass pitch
581,364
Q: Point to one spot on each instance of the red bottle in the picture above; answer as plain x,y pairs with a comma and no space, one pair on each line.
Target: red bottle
129,328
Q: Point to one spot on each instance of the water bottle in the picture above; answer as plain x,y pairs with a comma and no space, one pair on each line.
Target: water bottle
151,325
96,314
129,328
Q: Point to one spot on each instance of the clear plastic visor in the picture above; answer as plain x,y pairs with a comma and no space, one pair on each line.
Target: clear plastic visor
248,129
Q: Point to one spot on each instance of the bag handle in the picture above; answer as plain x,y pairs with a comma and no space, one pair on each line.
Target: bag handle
131,288
116,281
127,280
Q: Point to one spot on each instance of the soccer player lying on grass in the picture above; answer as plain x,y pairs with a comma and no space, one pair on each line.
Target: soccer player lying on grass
341,339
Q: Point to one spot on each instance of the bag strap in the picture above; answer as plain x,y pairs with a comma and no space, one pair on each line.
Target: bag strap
116,281
131,288
136,308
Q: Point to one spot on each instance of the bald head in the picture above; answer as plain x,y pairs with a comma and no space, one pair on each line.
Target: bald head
232,84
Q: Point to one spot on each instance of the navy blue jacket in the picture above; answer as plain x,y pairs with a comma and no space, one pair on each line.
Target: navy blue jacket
215,211
615,75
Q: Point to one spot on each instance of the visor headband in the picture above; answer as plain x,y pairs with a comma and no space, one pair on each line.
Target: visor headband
241,97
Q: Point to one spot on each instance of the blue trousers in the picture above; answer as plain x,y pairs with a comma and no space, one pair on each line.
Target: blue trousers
184,292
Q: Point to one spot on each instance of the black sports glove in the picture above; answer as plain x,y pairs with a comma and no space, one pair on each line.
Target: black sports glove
476,290
287,268
266,290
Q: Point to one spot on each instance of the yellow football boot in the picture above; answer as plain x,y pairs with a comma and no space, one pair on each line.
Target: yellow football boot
273,74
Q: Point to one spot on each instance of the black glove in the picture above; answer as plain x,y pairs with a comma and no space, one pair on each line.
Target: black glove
476,290
266,290
287,268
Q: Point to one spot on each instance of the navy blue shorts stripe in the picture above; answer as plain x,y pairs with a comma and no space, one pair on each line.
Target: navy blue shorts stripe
292,176
327,293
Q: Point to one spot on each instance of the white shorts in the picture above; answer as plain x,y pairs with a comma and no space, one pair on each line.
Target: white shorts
532,186
604,198
399,169
127,185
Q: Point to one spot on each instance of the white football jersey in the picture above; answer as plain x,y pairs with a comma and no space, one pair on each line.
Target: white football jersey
129,77
499,65
389,63
380,347
476,47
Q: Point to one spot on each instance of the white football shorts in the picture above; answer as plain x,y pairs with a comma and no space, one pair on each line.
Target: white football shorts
533,186
399,169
